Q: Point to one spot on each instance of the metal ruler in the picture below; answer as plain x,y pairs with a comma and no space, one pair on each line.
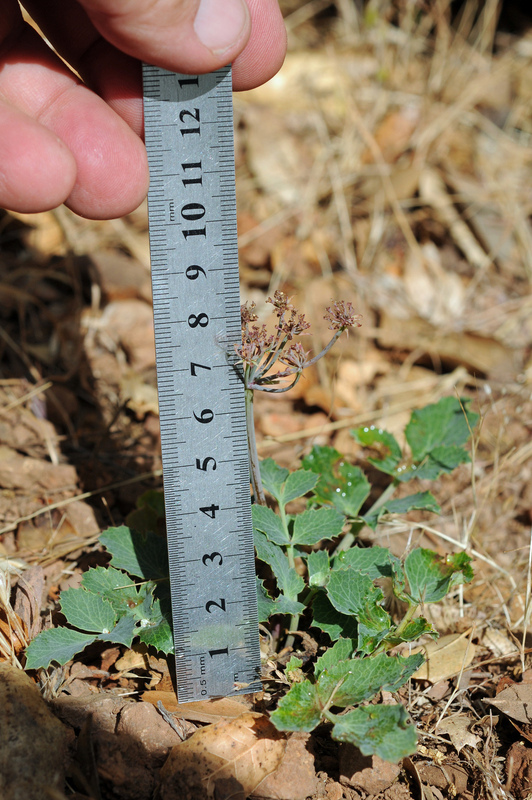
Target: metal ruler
196,304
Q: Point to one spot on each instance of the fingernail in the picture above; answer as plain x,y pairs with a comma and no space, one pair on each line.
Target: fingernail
220,23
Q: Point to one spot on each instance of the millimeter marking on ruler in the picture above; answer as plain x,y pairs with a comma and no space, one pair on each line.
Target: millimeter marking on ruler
196,305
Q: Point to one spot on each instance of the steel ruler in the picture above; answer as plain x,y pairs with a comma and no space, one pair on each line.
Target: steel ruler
196,305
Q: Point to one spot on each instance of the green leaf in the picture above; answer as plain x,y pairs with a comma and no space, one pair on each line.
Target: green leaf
329,620
286,605
293,670
266,605
59,645
341,484
448,422
114,586
298,484
353,593
420,501
273,477
124,632
430,577
316,524
142,555
384,443
377,562
318,567
270,523
342,650
88,611
288,581
153,499
299,709
157,630
441,461
418,627
385,731
358,679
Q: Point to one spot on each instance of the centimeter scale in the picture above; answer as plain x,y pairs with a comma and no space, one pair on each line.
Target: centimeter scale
196,304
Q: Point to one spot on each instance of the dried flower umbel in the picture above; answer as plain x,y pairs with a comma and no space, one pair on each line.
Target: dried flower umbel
260,351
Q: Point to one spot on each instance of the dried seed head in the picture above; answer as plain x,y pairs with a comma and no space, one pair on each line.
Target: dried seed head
295,326
247,313
342,315
280,302
256,342
294,356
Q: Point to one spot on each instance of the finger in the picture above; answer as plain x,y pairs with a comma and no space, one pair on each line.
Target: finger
264,53
29,184
186,36
113,75
111,169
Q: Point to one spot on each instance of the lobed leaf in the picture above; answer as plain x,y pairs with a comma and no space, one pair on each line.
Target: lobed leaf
340,484
287,605
299,709
341,650
316,524
328,619
288,581
113,585
447,422
141,555
270,523
358,679
267,606
421,501
430,577
124,632
354,593
383,442
59,645
298,484
377,562
385,731
156,630
88,611
273,477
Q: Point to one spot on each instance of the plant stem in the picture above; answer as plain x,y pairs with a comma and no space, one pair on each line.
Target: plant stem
294,618
254,467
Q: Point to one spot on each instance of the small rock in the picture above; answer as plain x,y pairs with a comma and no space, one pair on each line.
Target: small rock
32,740
295,778
369,773
143,722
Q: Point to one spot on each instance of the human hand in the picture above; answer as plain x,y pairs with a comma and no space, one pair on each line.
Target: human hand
64,141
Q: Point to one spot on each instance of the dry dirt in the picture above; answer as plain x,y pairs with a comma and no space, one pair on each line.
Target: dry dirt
388,164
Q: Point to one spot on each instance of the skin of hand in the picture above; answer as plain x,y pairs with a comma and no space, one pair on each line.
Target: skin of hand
77,139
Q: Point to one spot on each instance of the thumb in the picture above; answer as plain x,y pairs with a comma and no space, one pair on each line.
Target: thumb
179,35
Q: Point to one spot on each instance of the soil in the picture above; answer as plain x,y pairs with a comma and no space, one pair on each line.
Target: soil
389,164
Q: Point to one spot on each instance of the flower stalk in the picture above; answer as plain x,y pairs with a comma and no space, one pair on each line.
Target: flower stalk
260,351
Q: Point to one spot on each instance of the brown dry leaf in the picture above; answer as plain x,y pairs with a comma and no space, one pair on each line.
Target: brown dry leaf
202,711
457,729
28,598
515,702
477,353
394,133
226,760
32,740
498,642
446,657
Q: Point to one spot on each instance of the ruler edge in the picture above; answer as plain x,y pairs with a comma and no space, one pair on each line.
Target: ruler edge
248,555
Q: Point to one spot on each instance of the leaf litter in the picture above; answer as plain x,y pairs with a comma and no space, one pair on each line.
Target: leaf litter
399,180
